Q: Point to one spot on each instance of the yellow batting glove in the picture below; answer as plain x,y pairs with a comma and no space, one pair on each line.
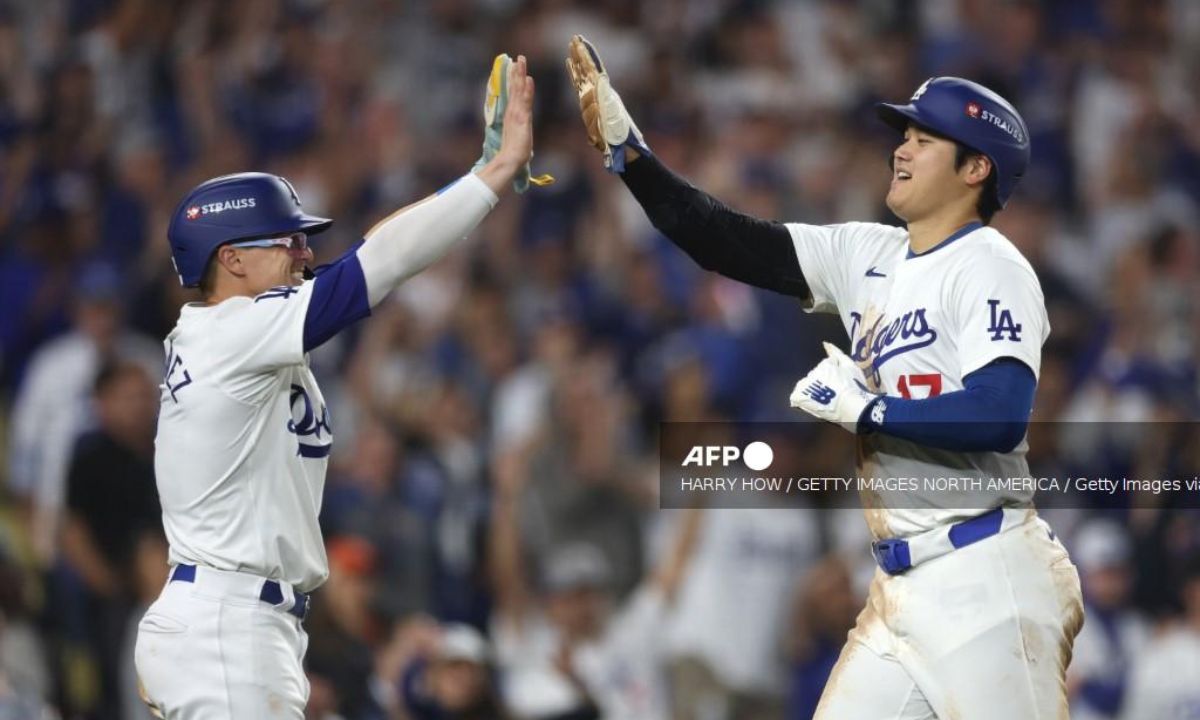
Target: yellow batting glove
494,104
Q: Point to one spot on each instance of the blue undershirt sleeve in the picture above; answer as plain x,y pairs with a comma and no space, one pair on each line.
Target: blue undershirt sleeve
339,299
990,414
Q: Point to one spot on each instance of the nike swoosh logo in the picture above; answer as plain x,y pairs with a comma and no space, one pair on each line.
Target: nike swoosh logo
872,272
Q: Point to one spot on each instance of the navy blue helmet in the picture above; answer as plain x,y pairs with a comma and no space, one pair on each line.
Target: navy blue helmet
243,206
974,116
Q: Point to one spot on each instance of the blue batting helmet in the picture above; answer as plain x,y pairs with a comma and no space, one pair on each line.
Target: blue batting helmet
972,115
243,206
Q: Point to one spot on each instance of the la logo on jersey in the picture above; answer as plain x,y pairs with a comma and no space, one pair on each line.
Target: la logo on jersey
1002,322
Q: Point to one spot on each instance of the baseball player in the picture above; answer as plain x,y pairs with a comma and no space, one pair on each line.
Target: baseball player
975,605
244,433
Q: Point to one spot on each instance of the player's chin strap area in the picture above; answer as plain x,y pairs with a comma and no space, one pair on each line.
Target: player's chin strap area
226,583
897,555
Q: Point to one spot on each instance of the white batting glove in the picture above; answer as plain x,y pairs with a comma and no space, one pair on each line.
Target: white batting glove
494,104
609,126
834,391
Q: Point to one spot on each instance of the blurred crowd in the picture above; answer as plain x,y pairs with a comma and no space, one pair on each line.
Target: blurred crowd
491,514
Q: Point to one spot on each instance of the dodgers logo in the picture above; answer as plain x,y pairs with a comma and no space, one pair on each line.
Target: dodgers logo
1002,323
306,423
884,340
920,91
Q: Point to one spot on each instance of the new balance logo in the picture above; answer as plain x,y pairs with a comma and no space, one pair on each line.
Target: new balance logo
820,392
872,272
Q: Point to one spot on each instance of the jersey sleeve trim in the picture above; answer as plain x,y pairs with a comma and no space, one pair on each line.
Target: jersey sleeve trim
339,300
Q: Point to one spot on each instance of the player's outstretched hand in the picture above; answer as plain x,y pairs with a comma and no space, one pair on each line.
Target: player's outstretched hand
834,391
508,125
609,127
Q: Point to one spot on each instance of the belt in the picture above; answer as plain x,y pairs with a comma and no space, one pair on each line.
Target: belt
896,555
271,593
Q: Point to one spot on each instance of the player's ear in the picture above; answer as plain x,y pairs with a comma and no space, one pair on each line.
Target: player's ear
976,169
229,258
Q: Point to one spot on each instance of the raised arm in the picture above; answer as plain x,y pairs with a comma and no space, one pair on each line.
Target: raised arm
744,248
418,235
506,556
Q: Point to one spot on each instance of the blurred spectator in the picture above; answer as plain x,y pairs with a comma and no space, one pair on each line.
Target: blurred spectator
25,680
567,647
454,681
54,405
111,503
1114,635
420,509
343,627
824,611
1166,677
728,634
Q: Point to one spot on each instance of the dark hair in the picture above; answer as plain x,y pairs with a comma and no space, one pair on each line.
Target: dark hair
987,205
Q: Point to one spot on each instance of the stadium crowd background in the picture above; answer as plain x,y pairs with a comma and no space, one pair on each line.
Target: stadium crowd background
495,422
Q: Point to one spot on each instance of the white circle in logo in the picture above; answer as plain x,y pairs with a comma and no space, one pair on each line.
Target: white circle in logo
758,455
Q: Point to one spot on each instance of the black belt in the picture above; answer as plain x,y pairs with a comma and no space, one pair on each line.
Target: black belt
272,592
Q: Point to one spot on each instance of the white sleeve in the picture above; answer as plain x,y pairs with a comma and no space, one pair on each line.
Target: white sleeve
414,238
830,255
263,333
998,311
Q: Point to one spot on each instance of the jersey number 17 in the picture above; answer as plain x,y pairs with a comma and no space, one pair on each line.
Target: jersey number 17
933,381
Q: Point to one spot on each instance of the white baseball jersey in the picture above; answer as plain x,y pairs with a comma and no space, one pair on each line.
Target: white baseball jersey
244,439
919,324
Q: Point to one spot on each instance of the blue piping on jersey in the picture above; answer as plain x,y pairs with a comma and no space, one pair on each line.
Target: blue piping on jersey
964,230
339,299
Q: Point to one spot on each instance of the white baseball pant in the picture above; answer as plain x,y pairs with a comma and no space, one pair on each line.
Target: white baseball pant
982,633
212,648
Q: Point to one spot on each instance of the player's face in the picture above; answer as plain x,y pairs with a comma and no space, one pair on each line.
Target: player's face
278,264
923,175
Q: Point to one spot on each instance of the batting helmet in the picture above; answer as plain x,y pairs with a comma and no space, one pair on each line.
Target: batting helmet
972,115
244,206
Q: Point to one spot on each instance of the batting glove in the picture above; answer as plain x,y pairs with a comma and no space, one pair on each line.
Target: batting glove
494,104
608,124
834,391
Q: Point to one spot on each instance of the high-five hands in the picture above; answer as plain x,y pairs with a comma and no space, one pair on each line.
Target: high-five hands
508,122
609,126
